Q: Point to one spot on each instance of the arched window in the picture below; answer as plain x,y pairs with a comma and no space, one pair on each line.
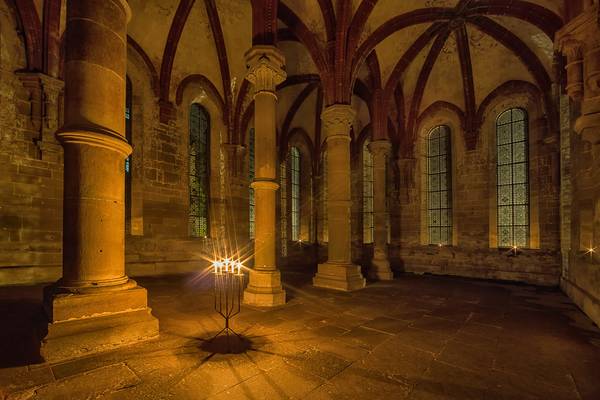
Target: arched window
128,160
283,208
512,178
367,208
199,171
295,189
251,178
439,186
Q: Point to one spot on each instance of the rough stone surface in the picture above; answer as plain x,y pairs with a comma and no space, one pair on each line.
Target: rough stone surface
459,339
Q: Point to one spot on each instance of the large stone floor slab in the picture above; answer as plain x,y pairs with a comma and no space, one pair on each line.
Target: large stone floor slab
412,338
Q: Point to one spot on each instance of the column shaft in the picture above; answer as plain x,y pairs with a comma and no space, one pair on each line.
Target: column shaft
338,272
265,186
265,72
94,144
380,266
339,198
95,306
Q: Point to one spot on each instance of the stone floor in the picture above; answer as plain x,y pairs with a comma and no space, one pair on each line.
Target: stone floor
414,338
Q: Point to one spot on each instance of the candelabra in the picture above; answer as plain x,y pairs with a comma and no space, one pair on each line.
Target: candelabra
228,292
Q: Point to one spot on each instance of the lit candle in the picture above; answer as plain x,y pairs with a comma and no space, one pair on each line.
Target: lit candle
239,265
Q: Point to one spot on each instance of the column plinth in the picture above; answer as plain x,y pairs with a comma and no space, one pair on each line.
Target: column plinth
380,265
265,72
338,272
95,306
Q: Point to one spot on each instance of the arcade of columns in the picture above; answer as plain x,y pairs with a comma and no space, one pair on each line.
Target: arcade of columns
95,305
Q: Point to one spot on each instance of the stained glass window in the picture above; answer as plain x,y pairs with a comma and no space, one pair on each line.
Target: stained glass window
251,178
439,186
512,178
367,209
295,187
199,173
283,208
128,160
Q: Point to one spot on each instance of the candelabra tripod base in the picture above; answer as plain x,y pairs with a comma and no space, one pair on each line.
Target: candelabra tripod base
226,341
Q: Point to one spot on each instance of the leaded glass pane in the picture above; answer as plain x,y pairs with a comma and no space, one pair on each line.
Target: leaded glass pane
505,236
504,134
199,170
505,195
434,165
521,216
504,175
443,161
519,152
505,215
438,186
512,179
434,183
519,131
504,154
283,208
434,200
520,173
504,118
521,236
518,114
520,194
295,186
434,235
434,147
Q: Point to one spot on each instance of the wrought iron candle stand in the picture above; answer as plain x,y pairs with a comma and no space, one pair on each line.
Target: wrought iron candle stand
228,292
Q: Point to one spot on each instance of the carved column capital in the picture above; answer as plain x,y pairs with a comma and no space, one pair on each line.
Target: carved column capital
337,120
570,47
266,68
380,148
579,41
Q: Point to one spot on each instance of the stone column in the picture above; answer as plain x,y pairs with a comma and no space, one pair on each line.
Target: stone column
579,41
380,265
265,72
95,306
338,272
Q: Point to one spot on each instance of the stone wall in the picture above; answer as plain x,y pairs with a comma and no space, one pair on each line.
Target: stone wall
31,165
474,251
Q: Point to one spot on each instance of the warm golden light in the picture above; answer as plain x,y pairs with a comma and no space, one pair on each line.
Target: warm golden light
591,252
227,265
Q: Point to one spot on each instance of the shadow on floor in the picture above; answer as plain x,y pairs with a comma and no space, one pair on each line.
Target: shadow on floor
227,344
22,326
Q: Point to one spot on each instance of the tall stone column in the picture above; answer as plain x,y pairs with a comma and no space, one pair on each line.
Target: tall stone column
579,41
380,265
95,306
338,272
265,71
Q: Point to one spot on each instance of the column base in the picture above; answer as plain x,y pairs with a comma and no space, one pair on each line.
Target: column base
87,323
345,277
380,270
264,289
